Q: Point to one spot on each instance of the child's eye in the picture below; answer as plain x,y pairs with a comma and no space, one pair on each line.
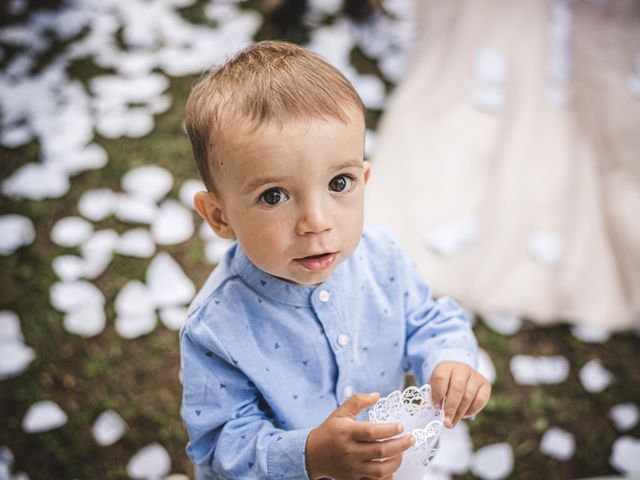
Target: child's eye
340,183
273,197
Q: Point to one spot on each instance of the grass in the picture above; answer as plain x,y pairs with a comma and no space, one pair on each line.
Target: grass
139,378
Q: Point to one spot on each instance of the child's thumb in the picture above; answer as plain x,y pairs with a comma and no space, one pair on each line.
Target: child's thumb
355,404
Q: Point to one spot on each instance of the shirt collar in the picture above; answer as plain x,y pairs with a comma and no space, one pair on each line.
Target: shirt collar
274,288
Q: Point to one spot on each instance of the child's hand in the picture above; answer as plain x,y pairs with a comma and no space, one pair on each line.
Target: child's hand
344,448
466,391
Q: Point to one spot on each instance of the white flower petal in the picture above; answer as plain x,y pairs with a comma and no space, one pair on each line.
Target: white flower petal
71,296
135,325
87,321
149,181
528,370
136,243
558,444
134,298
188,190
504,323
168,283
108,428
173,224
546,248
15,358
43,416
594,377
492,462
135,209
173,318
69,267
98,204
449,237
625,416
15,232
625,456
151,462
71,231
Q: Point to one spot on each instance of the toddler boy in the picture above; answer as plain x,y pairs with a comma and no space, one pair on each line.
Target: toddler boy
309,308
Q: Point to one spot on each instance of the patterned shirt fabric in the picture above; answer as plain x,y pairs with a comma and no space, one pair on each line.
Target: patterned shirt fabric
264,361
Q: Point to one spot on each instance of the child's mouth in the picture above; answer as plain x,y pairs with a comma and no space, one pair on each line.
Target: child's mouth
317,262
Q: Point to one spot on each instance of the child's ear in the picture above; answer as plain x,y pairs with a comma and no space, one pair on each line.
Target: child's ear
367,171
211,209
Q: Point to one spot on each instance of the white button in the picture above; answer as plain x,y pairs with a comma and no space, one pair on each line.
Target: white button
324,296
343,339
348,391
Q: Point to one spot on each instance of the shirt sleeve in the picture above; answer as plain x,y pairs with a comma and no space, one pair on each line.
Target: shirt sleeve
437,330
230,430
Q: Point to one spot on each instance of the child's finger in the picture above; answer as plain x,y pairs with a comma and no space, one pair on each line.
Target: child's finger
355,404
455,394
473,387
480,400
384,449
440,383
381,468
371,432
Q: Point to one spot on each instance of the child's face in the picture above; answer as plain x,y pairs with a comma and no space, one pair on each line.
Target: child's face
293,196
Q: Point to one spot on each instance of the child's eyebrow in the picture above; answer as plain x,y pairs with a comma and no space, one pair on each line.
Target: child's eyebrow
350,163
256,182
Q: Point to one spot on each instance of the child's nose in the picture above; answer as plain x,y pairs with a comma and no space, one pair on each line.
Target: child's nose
314,218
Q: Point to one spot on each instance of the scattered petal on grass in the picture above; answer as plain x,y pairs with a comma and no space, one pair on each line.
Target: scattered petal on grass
528,370
625,456
485,366
448,238
98,204
504,323
624,416
216,249
169,285
492,462
188,190
135,209
134,298
71,296
87,321
69,267
15,357
43,416
136,243
558,444
590,333
71,231
151,462
149,181
10,326
546,248
594,377
206,233
173,318
15,232
36,182
108,428
98,251
455,451
135,325
173,224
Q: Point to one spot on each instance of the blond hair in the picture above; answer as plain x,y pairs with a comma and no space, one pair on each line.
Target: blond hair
269,81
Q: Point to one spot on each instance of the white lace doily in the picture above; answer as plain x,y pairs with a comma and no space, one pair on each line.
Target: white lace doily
413,408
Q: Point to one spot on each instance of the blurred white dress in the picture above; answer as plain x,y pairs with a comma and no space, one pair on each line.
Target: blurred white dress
508,158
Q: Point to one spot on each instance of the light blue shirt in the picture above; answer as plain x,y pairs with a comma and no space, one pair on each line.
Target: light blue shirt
264,361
